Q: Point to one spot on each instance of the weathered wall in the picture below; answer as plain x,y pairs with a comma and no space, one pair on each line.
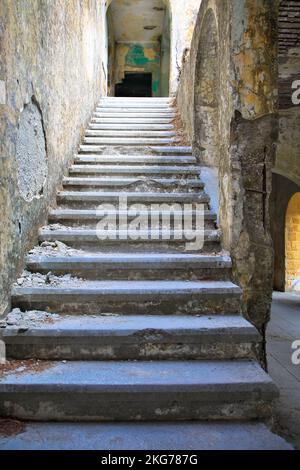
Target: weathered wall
51,76
183,18
286,178
288,152
247,76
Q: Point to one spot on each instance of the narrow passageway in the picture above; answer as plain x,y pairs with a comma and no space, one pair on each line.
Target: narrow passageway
283,331
149,176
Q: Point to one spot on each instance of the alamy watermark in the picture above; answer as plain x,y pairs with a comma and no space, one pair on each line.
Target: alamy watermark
296,93
136,222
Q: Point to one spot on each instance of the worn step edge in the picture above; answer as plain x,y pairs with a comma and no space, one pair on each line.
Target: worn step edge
141,337
93,215
142,236
90,290
143,170
143,328
90,196
138,159
132,133
127,261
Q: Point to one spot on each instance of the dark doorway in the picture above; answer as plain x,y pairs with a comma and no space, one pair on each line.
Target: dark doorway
135,85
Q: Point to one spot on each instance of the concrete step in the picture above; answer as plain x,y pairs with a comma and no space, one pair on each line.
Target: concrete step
133,266
137,391
136,159
135,183
133,133
130,297
172,150
94,169
114,120
136,102
162,240
133,108
156,150
83,216
131,127
197,436
133,115
134,338
94,141
151,106
98,197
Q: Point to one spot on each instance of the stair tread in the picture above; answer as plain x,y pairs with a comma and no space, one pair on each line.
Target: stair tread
231,435
134,159
144,287
142,195
93,213
133,258
221,377
128,181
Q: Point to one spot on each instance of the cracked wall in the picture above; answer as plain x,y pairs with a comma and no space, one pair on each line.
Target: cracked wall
51,75
247,126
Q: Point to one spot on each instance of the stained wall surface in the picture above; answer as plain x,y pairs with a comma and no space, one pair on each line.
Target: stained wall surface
51,76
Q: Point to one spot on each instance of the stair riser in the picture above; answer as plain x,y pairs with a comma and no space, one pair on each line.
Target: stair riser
132,121
138,142
87,405
92,224
132,133
130,127
126,348
131,246
135,150
143,171
175,186
146,199
129,304
135,160
121,272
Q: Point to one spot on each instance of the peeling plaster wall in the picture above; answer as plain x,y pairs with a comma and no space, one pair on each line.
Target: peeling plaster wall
50,65
247,38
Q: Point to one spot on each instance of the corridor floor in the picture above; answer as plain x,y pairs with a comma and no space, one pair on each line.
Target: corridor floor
283,330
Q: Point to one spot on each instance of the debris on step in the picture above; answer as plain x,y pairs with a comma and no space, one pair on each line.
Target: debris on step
17,367
30,279
11,427
56,248
22,321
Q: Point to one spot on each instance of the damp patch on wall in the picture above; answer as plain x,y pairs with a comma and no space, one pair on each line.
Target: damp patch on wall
31,152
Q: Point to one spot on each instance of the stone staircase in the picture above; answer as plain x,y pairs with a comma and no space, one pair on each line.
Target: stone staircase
126,329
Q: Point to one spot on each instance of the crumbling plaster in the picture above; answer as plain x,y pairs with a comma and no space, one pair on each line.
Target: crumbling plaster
247,38
51,55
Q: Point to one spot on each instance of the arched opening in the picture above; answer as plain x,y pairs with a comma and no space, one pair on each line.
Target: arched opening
292,244
206,94
138,36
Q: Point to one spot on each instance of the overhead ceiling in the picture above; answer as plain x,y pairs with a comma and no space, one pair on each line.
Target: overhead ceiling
137,20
